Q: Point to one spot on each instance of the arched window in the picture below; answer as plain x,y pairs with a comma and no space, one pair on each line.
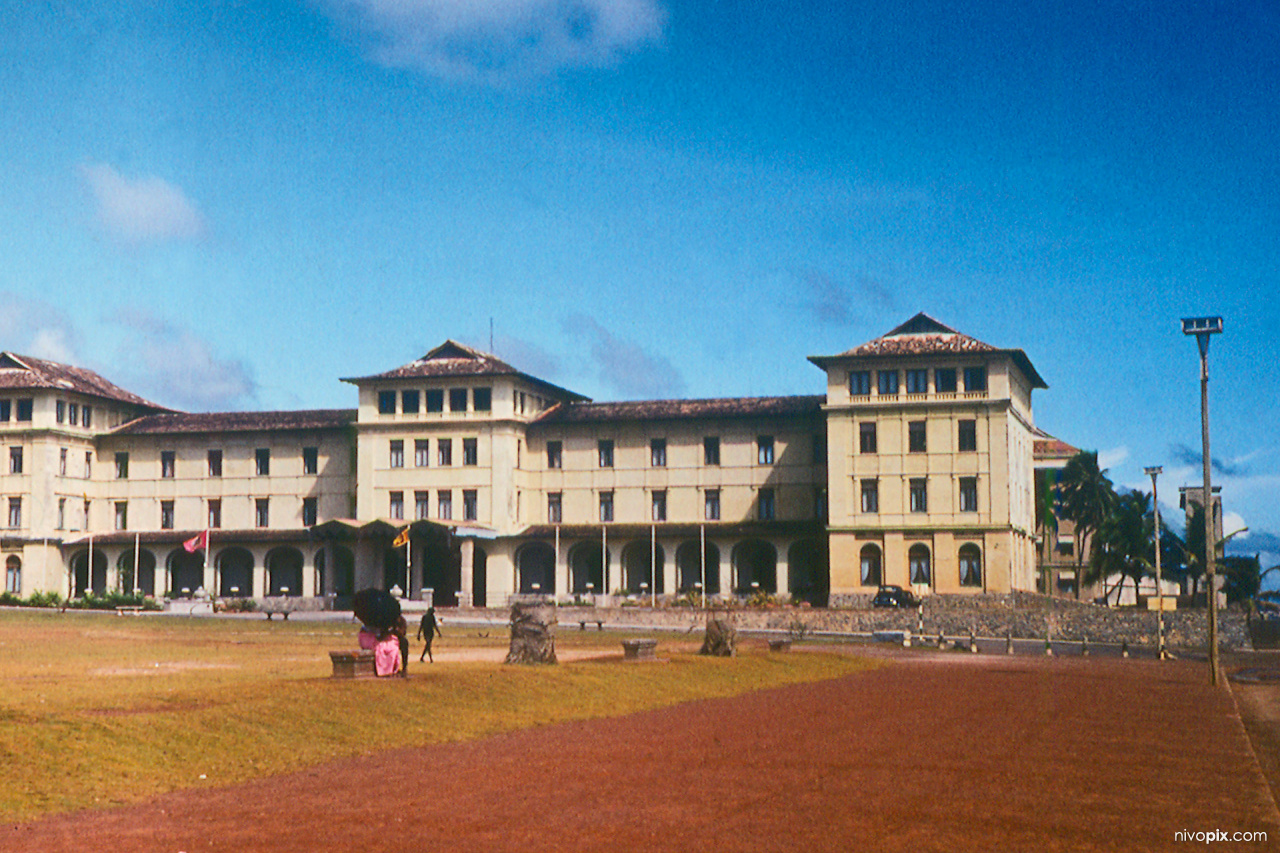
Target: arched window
870,565
13,574
918,560
970,565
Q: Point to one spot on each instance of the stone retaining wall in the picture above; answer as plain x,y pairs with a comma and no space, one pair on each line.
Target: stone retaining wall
1022,615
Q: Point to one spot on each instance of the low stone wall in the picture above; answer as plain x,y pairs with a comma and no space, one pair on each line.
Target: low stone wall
1022,615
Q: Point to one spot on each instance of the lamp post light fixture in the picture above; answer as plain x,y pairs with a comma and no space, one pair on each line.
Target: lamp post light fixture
1202,328
1154,472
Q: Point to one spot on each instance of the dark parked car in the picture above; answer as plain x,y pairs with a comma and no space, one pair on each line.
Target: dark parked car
894,596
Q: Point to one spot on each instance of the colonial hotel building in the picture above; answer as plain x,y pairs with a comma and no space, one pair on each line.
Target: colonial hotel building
914,468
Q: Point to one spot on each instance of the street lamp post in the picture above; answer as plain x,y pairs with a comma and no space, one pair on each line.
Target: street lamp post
1154,472
1202,328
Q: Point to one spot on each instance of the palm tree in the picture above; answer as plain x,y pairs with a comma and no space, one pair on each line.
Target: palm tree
1125,542
1047,524
1085,497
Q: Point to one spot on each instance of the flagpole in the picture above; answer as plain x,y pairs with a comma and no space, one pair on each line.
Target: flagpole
137,543
205,575
702,535
653,565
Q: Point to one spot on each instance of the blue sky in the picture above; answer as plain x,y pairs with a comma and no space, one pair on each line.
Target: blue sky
226,205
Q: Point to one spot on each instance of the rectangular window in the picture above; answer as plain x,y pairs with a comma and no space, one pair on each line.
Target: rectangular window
555,451
410,402
88,464
386,402
215,463
470,451
916,442
396,453
122,466
444,505
61,411
968,494
310,513
764,505
919,495
15,513
310,460
435,400
659,506
421,505
867,437
554,509
62,513
15,460
122,515
975,379
820,503
606,506
764,449
457,399
968,438
168,463
395,508
605,448
944,380
870,495
444,451
6,410
421,452
73,414
887,383
166,515
24,410
86,415
711,450
860,383
658,452
262,512
262,461
482,399
62,462
215,513
917,382
819,448
711,505
469,505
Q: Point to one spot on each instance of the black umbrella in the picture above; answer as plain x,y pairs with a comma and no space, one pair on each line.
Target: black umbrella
376,608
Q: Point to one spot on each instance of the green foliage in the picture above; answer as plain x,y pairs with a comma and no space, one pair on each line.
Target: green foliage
1085,496
111,600
1125,541
235,605
1242,576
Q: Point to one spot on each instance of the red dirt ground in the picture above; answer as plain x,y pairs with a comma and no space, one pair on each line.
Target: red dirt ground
948,753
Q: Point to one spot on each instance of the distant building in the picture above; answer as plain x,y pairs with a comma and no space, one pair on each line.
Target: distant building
914,468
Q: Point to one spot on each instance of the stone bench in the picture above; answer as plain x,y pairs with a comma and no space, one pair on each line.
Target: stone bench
639,649
582,624
780,644
129,610
353,664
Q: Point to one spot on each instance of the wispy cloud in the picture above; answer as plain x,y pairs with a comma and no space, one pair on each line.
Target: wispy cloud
1185,455
497,41
1113,457
526,356
625,366
173,366
31,327
141,210
840,303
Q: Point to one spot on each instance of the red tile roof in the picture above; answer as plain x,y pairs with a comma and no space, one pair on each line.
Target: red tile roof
22,372
452,359
215,422
924,336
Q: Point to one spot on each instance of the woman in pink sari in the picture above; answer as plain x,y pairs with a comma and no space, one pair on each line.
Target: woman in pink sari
386,655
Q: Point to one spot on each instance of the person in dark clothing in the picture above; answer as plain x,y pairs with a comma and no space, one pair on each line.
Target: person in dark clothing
428,631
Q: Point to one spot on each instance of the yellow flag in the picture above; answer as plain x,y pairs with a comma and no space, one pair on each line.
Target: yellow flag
402,539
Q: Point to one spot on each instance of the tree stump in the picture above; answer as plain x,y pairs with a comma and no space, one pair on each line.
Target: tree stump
533,633
721,639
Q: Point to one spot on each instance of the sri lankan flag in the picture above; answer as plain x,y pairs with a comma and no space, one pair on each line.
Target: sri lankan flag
401,539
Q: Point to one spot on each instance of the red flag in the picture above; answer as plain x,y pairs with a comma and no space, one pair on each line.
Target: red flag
197,543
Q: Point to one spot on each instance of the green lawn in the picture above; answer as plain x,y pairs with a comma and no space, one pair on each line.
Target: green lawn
98,709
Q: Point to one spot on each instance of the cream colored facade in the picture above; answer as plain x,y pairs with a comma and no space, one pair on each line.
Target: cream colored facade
509,484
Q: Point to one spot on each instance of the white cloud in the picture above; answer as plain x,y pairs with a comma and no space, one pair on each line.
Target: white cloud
495,41
142,210
1233,522
172,366
31,327
1113,457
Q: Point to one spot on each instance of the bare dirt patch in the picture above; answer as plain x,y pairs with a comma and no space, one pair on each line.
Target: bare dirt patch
1013,754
